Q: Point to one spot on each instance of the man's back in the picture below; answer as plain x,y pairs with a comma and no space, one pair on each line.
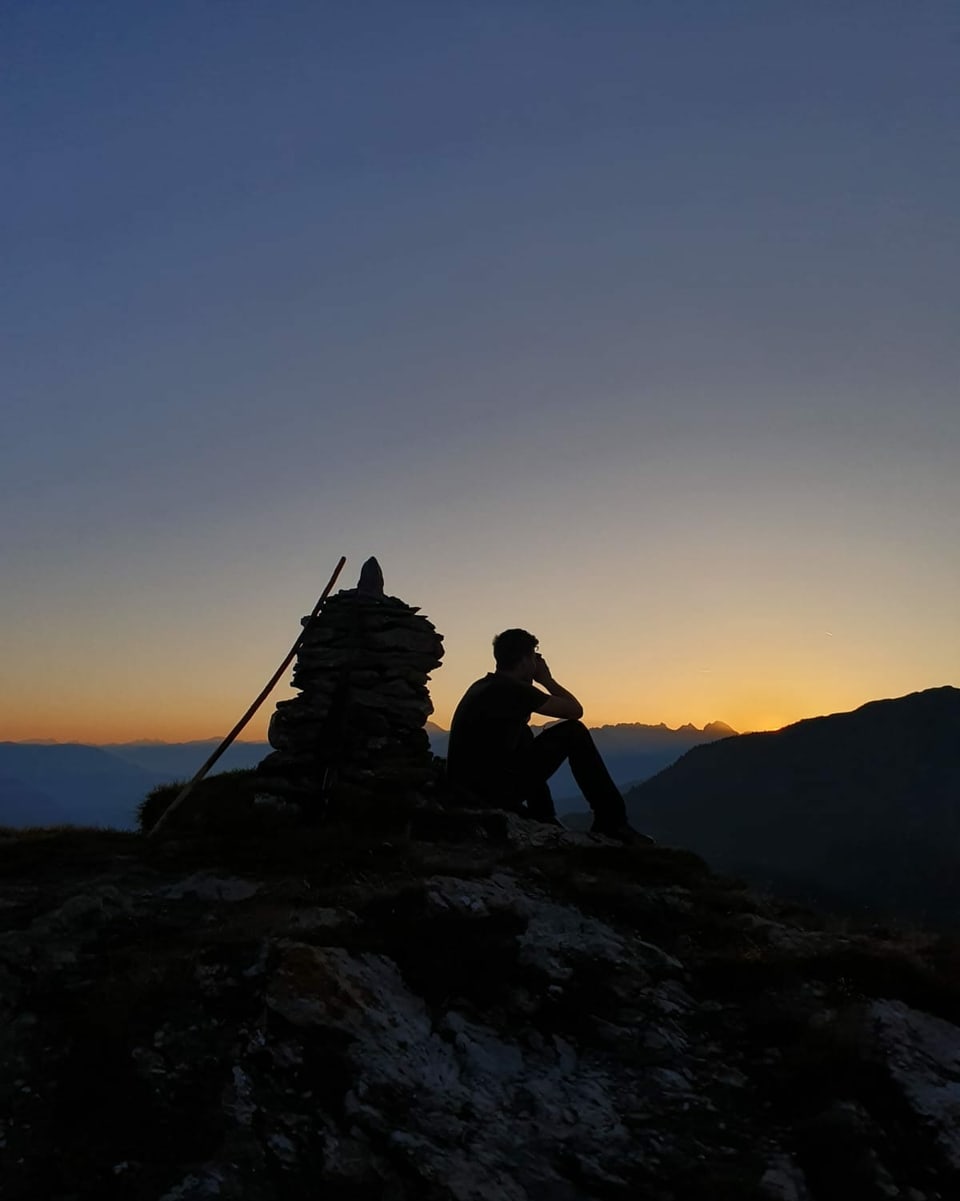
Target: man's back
489,726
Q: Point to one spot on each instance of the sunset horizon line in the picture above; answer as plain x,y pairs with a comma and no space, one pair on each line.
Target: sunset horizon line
770,724
49,740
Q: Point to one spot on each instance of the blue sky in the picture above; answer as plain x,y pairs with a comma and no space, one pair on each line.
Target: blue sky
634,324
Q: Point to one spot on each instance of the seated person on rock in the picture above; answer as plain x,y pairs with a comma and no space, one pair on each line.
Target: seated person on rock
494,756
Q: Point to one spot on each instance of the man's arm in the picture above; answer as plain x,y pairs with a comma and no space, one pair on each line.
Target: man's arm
561,702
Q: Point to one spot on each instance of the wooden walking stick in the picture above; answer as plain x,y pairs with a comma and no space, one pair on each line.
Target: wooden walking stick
271,683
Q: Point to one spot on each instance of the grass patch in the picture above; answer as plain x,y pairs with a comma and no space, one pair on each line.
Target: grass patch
225,802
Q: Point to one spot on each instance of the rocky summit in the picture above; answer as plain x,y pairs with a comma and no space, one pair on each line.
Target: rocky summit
472,1008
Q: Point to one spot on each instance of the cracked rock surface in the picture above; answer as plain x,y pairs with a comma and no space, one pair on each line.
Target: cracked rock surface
479,1008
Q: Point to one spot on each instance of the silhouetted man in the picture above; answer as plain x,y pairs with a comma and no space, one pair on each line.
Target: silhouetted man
494,755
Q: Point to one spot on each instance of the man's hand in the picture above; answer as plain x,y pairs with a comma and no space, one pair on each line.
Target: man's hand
541,672
562,703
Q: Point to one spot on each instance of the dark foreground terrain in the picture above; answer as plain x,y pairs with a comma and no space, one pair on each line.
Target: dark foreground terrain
479,1010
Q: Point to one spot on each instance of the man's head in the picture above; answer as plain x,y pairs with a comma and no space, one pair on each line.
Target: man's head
515,651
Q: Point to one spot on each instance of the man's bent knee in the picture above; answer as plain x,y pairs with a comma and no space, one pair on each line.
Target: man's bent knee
569,729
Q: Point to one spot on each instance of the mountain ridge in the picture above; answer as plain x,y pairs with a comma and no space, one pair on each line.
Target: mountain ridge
858,808
86,784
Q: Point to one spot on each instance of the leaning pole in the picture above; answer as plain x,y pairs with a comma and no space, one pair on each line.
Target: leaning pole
268,688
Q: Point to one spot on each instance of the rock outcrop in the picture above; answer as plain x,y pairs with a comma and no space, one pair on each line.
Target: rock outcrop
487,1009
354,738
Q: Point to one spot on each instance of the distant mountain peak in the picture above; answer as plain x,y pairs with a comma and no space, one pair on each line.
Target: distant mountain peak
713,729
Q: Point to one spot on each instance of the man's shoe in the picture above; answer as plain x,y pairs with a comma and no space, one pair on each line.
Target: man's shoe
622,832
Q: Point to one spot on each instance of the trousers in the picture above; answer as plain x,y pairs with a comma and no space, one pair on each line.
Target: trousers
539,756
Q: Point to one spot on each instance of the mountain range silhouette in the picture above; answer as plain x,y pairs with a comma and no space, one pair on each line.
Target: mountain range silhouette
47,784
858,809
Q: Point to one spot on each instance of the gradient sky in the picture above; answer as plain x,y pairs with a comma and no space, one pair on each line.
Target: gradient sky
635,324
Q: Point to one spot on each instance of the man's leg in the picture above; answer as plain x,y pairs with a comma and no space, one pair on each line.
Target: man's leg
571,740
530,782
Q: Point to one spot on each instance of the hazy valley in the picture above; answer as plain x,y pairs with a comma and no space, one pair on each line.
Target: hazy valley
43,784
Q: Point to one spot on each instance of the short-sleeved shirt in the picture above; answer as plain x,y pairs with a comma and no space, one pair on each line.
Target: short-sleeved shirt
489,727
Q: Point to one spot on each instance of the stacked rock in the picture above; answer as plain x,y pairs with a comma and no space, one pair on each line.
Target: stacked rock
356,734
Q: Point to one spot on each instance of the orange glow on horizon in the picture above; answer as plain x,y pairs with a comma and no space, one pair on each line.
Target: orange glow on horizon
193,727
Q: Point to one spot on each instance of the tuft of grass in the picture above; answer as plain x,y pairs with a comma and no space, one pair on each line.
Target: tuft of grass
224,802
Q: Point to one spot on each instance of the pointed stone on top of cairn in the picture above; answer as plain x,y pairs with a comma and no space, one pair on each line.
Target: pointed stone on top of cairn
371,578
354,740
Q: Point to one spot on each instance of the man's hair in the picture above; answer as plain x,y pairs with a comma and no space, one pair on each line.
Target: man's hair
511,646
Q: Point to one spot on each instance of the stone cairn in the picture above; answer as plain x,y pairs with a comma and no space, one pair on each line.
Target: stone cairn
354,739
